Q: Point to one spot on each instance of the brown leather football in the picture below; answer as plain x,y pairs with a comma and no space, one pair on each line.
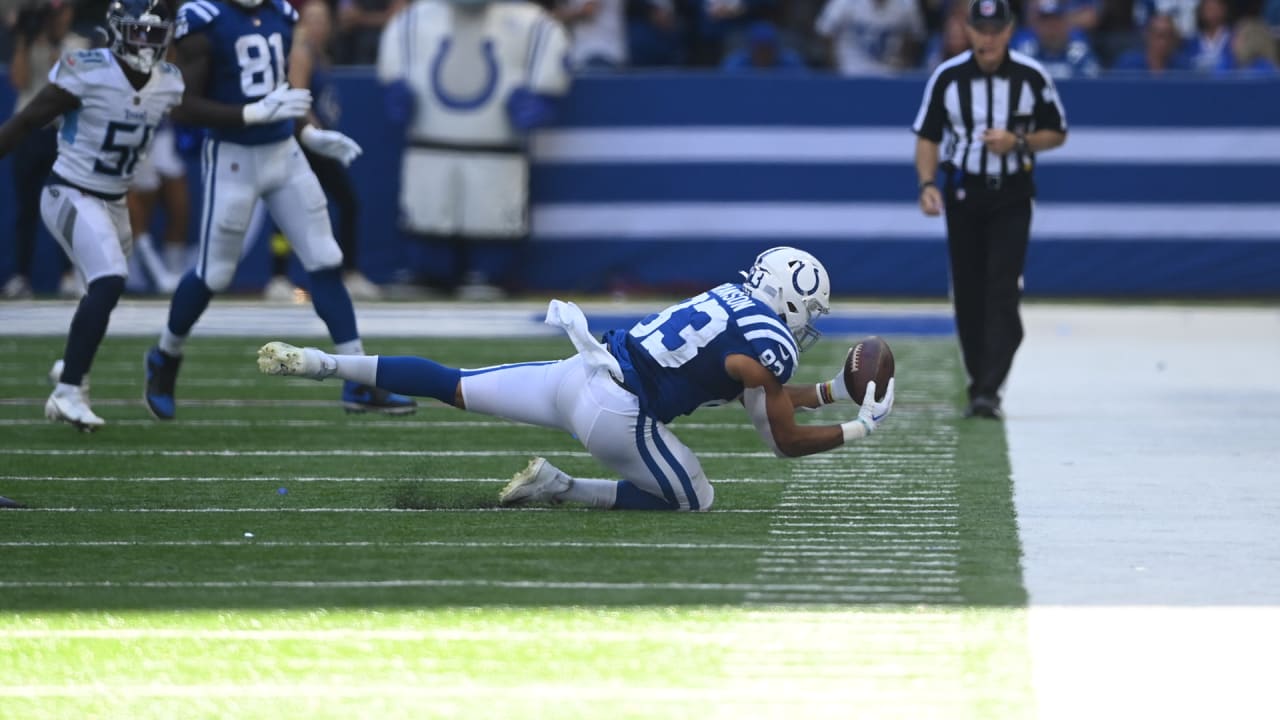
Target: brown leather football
869,359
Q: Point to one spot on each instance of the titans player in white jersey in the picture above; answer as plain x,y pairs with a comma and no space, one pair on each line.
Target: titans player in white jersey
734,342
233,54
110,101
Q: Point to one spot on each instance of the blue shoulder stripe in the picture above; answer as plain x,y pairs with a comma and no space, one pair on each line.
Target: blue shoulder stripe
287,10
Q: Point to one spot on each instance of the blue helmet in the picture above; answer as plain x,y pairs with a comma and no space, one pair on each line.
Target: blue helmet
140,32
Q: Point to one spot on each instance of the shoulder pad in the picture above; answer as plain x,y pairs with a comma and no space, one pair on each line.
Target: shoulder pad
194,15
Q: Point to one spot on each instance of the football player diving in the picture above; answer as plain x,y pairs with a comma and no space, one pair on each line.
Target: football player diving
108,102
234,56
737,341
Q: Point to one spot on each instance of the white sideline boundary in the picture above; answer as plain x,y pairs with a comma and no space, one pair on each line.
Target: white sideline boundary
1143,444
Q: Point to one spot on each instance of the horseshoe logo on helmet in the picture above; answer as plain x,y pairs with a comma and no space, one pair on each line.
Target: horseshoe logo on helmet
796,277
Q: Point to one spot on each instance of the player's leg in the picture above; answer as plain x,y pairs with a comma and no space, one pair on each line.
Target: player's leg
1008,237
966,246
229,193
658,471
336,184
32,160
299,208
94,233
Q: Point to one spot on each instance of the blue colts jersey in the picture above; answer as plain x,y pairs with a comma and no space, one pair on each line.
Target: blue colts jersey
674,360
248,50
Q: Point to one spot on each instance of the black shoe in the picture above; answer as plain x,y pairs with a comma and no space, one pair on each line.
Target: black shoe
7,503
984,406
162,375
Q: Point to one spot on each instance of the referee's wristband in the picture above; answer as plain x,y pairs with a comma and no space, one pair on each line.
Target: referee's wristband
924,184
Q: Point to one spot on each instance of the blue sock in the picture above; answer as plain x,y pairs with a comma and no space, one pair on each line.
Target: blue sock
332,303
631,497
89,326
188,304
418,376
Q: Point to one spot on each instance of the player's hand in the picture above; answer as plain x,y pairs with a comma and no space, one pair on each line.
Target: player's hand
873,413
330,143
283,103
999,141
931,200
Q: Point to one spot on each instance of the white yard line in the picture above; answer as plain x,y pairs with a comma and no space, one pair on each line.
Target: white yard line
1145,459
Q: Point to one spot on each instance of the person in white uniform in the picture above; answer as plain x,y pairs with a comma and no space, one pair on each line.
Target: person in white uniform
468,80
110,101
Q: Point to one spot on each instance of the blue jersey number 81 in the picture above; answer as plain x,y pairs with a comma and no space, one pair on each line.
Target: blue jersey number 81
255,54
674,336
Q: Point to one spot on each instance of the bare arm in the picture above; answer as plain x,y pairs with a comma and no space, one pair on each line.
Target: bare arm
930,197
51,102
788,437
196,109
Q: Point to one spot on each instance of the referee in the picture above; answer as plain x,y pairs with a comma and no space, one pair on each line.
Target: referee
985,114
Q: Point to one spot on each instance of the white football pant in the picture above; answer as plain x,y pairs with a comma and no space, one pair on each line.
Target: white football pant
235,176
94,233
605,418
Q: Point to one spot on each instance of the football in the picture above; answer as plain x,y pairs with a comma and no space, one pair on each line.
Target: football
869,359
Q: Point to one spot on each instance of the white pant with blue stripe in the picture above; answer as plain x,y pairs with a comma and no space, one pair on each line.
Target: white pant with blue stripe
235,177
573,396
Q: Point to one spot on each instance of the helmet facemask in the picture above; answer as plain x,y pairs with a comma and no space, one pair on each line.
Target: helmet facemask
139,40
796,286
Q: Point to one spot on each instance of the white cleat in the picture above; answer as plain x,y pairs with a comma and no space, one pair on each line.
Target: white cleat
539,481
55,377
278,358
68,404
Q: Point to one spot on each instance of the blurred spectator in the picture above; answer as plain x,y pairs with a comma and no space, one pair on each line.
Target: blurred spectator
764,51
1159,53
160,177
1254,48
1118,28
1271,13
719,24
1182,12
597,28
951,41
1063,50
1083,15
653,33
42,32
872,37
1210,49
360,24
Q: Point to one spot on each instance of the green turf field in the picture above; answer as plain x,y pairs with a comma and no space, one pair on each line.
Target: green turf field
268,556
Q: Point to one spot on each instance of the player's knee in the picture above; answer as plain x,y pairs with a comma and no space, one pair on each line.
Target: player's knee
105,291
218,278
703,497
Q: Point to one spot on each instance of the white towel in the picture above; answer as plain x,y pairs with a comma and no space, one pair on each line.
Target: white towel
569,317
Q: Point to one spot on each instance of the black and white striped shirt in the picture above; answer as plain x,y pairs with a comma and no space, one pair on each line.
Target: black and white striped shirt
961,102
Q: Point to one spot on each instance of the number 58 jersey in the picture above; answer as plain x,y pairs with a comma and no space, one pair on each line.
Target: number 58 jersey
100,143
674,361
248,52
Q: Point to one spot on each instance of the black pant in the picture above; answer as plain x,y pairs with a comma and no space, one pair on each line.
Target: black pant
32,160
987,235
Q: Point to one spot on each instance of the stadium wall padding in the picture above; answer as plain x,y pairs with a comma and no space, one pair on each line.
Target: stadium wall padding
673,181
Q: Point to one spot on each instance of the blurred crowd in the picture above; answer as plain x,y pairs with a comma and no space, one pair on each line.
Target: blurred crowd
1073,38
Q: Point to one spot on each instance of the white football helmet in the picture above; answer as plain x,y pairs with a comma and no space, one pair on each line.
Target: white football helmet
796,286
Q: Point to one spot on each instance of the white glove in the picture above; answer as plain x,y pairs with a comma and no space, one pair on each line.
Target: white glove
283,103
330,143
871,414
